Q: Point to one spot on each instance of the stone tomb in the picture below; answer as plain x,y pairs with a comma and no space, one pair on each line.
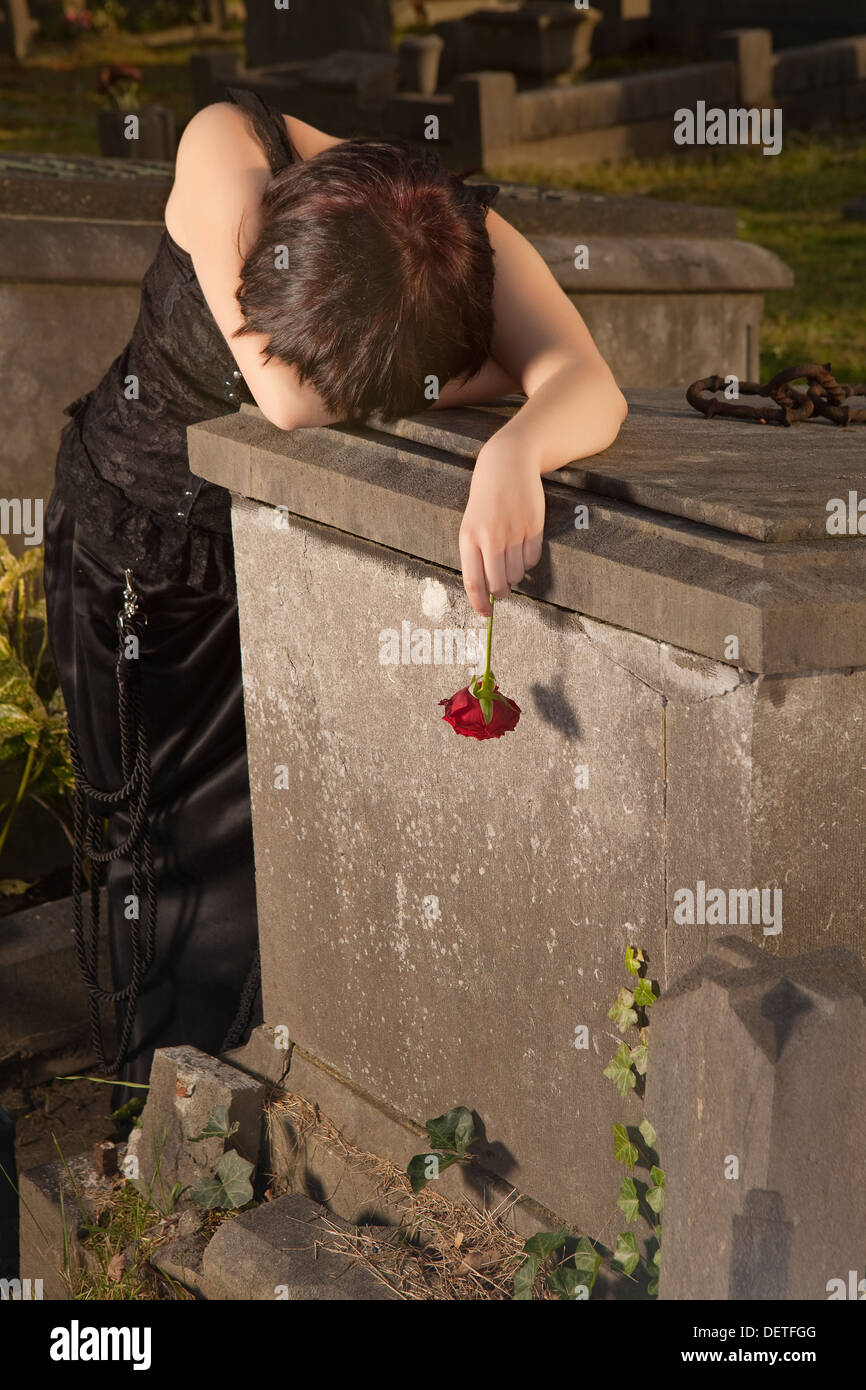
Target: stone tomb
440,917
293,32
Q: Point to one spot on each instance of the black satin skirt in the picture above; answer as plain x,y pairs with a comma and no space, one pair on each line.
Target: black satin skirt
199,805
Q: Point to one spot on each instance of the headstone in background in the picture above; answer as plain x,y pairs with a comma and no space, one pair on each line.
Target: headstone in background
156,137
17,27
542,41
310,29
753,1087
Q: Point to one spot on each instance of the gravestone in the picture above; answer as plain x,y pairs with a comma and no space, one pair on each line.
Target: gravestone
439,918
17,28
542,41
307,29
753,1086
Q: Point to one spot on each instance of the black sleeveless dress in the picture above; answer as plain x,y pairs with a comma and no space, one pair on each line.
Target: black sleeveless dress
124,499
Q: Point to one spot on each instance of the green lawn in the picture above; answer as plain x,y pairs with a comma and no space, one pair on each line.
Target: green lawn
791,204
50,105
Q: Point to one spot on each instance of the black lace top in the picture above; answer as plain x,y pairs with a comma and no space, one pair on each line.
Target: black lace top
122,467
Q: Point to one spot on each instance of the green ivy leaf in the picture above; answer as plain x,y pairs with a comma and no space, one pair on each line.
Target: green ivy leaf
546,1243
620,1072
565,1282
453,1131
230,1188
648,1134
621,1011
587,1262
628,1201
653,1288
420,1170
657,1175
644,995
655,1199
624,1151
218,1126
524,1278
633,959
639,1056
626,1253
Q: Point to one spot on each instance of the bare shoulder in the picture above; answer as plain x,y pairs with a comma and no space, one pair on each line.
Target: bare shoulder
224,128
222,167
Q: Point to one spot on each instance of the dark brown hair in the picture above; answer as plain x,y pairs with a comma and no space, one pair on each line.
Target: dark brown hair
388,276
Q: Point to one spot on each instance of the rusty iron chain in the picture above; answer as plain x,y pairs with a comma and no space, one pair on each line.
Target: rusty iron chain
823,399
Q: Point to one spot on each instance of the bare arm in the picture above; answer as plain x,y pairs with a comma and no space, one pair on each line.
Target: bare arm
213,212
574,409
492,381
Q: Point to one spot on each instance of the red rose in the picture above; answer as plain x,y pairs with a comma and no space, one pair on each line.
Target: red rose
117,72
463,712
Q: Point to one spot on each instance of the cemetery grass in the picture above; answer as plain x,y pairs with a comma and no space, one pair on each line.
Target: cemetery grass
49,103
792,204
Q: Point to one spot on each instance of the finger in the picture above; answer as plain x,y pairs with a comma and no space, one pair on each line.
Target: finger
532,546
494,568
514,566
474,578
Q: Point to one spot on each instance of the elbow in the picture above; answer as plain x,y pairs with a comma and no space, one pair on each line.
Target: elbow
281,416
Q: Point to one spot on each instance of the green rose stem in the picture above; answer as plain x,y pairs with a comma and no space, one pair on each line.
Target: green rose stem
483,689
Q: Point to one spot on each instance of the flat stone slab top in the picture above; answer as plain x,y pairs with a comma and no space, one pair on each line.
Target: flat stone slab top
285,1250
686,530
52,185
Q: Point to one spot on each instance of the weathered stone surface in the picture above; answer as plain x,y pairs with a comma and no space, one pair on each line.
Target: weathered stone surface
181,1258
645,561
43,1003
539,41
17,29
449,977
537,210
279,1251
210,72
548,111
53,1199
418,56
619,264
80,186
763,793
752,51
185,1087
371,77
308,1165
755,1065
298,32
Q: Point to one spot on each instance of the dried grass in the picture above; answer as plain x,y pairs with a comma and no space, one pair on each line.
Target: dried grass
441,1249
